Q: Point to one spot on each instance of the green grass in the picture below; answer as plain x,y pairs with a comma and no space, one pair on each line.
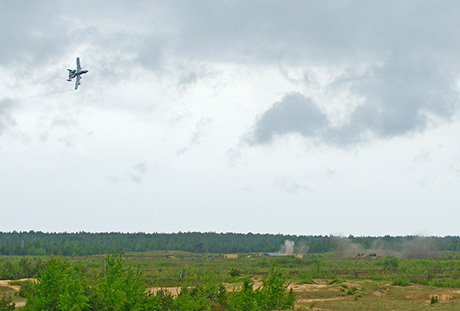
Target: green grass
6,290
381,283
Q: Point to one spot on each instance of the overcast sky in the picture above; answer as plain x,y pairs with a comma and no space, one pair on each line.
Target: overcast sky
294,117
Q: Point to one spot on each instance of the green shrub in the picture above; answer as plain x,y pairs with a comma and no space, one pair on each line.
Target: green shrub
433,300
26,288
7,304
401,281
234,272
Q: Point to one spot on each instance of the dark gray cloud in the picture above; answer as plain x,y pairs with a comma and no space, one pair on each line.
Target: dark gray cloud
410,50
402,94
396,103
31,33
344,30
400,97
325,31
293,114
39,33
147,33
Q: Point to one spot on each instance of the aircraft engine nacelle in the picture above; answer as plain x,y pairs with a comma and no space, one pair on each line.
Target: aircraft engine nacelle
71,74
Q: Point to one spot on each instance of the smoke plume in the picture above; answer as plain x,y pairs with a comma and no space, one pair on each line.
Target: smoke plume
287,248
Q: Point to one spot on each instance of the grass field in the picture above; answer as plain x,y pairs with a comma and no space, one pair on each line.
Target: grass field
320,281
374,295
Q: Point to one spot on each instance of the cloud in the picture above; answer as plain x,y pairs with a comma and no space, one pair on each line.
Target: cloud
293,187
410,74
181,151
293,114
201,129
235,156
330,32
402,94
37,33
138,172
327,31
423,156
140,168
400,97
5,117
135,175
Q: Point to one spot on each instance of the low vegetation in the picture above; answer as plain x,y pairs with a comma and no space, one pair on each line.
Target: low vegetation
416,276
64,286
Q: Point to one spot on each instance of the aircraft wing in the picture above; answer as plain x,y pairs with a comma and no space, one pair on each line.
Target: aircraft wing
78,65
77,81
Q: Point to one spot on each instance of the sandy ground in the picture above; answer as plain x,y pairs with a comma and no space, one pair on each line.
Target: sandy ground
6,283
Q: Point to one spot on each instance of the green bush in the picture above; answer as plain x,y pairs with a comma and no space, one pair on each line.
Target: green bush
234,272
59,287
273,294
121,288
26,288
7,304
64,287
401,281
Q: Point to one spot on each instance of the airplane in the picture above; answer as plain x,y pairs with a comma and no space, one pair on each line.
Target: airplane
76,74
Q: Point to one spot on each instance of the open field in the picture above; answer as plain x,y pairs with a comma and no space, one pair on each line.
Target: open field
320,281
165,268
374,295
364,295
347,295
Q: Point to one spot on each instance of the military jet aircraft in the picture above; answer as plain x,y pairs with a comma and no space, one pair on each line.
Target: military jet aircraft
76,74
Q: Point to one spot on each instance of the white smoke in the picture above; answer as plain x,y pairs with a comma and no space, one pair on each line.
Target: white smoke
288,248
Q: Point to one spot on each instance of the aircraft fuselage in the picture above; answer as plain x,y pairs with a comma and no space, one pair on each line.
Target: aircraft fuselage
77,73
74,73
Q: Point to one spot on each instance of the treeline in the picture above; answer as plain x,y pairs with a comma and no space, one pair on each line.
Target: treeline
85,243
64,287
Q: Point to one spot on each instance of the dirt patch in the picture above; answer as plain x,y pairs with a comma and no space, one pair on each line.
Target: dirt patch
317,285
6,283
20,302
441,298
378,294
174,291
303,301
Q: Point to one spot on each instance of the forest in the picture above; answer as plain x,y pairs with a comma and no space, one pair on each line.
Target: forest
85,243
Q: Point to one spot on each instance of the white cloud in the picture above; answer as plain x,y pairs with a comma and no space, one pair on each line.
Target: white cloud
5,118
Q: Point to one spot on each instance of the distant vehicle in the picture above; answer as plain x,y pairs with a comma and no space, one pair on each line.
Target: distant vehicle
76,74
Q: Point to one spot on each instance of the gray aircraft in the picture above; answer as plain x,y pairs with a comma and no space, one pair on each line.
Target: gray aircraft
76,74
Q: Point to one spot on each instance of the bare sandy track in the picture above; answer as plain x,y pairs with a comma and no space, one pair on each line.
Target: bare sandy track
6,283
